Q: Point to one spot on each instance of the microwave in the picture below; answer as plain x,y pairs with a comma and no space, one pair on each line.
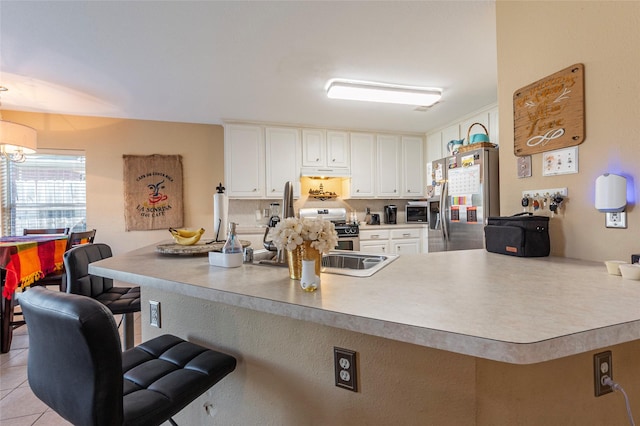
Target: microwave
416,214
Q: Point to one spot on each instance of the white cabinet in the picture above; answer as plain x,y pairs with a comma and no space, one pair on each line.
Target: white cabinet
374,241
388,166
282,160
244,165
448,134
362,165
325,148
258,161
434,147
406,241
412,166
392,241
338,154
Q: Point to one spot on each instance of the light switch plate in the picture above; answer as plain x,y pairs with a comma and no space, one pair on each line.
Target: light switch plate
560,162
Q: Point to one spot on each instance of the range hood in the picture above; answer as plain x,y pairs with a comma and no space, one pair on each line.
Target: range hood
320,172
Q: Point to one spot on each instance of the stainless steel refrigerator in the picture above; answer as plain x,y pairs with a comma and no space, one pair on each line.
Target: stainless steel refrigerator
465,192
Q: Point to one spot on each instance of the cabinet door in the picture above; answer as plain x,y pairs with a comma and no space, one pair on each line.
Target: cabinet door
388,166
282,160
449,134
412,167
434,147
244,161
406,247
338,149
362,165
377,247
313,148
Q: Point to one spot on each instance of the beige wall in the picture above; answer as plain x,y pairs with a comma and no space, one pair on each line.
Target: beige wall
536,39
105,140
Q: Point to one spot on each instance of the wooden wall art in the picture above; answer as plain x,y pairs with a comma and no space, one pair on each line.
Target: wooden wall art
549,114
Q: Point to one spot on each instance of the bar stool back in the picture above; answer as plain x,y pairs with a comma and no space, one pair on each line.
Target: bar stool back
75,365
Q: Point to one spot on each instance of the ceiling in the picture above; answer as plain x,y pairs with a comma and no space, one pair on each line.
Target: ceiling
209,61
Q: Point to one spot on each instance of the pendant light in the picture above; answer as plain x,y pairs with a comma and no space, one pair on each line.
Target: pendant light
16,140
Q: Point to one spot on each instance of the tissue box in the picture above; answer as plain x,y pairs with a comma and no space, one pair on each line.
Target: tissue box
225,260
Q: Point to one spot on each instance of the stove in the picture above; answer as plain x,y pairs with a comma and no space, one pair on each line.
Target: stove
348,233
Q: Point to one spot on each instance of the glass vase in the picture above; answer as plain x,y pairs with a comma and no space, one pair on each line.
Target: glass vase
303,252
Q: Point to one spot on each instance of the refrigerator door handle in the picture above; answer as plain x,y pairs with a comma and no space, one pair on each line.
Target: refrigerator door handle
444,221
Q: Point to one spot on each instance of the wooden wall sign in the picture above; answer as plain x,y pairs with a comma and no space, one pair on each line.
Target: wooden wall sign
549,114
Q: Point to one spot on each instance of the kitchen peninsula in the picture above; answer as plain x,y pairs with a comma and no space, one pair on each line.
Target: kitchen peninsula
442,331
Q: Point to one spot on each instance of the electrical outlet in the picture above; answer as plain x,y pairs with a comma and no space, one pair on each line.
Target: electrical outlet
616,220
154,313
345,369
602,366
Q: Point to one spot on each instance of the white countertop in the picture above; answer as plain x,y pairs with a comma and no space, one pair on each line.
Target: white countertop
486,305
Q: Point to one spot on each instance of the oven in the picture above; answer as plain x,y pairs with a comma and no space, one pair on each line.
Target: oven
348,236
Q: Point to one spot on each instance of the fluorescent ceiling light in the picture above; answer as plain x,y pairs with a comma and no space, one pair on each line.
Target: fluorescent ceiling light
381,92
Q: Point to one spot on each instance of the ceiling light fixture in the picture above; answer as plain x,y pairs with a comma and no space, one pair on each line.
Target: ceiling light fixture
382,92
16,140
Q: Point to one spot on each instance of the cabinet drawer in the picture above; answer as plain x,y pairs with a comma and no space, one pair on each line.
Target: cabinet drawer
378,234
397,234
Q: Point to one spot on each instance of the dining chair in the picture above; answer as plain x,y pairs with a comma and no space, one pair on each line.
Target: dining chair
53,278
45,231
75,365
123,301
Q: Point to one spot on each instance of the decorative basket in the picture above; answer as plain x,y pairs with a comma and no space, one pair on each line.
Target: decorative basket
482,138
482,143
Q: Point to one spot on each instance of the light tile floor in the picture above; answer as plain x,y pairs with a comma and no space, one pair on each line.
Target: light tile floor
18,405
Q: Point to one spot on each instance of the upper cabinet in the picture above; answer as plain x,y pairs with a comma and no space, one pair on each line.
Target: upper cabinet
362,165
282,155
412,166
244,164
325,148
437,141
258,161
386,166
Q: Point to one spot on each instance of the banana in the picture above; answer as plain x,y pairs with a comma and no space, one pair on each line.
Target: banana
186,237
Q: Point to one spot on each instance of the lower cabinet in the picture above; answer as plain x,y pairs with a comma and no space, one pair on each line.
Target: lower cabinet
405,241
391,241
374,241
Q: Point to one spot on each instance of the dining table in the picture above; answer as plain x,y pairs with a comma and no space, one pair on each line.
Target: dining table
24,260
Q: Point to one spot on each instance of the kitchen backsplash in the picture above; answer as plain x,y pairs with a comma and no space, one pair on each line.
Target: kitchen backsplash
243,212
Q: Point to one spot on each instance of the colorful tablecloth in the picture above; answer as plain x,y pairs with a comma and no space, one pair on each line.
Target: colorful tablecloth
28,259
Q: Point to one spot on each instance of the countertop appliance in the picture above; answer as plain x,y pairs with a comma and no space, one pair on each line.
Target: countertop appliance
390,214
416,213
348,233
466,192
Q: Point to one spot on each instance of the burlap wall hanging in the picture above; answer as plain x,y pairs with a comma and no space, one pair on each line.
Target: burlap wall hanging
152,192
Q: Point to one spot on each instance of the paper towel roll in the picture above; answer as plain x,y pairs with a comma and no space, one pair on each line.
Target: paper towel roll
220,212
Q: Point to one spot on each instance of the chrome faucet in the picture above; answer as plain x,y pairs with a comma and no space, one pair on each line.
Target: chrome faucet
287,211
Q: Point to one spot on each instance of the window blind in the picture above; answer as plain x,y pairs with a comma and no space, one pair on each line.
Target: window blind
46,191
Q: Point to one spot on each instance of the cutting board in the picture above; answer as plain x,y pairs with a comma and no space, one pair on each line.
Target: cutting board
197,248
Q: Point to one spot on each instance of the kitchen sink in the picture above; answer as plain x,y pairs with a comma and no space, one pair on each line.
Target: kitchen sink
355,264
340,262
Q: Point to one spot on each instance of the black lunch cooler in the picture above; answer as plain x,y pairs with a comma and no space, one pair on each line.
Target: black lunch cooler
521,235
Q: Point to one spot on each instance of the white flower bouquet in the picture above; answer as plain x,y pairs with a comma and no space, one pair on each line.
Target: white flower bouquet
292,232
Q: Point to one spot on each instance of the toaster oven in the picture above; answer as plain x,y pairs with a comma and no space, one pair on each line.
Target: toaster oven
416,214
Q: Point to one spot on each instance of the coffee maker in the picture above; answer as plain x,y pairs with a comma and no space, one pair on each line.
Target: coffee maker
390,214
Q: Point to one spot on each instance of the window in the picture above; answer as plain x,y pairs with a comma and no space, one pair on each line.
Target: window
48,190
